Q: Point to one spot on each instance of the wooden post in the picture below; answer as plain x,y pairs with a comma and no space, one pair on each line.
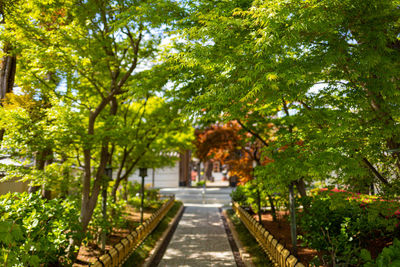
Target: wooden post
142,173
104,211
153,176
293,230
141,201
259,205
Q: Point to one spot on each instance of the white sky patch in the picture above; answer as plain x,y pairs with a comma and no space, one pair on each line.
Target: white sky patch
317,87
17,90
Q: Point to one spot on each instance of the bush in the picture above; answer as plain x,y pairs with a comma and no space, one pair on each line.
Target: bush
239,195
35,231
390,256
133,190
339,223
200,183
247,196
150,205
152,194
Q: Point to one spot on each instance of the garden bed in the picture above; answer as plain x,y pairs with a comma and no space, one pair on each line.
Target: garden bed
281,231
88,253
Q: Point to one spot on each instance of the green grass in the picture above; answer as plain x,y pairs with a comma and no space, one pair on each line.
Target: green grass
142,252
258,256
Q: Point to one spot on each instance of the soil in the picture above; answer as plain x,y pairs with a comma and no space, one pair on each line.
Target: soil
89,253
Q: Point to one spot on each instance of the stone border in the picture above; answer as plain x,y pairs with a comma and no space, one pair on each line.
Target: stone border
242,251
278,254
159,249
231,240
117,255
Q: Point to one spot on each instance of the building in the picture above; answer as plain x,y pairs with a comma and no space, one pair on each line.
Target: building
177,175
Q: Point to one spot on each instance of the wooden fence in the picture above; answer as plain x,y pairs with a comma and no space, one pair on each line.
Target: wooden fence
278,254
117,255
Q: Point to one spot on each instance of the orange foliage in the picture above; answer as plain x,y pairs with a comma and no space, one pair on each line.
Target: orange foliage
227,144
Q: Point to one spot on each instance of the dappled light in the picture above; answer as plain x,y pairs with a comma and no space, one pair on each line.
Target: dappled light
199,240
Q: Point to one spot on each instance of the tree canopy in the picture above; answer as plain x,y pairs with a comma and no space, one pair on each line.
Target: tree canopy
324,73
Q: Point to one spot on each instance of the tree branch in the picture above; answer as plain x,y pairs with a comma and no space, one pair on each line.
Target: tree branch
377,174
256,135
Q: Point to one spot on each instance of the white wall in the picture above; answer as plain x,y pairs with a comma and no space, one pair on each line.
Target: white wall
13,186
163,177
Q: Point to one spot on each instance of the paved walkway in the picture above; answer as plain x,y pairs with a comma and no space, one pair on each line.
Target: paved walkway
199,240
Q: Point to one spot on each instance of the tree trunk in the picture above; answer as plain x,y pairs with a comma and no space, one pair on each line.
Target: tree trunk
7,77
273,210
126,189
124,177
301,187
129,169
208,170
7,72
293,230
49,160
379,106
40,162
65,180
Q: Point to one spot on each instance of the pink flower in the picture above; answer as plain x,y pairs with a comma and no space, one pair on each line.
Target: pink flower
337,190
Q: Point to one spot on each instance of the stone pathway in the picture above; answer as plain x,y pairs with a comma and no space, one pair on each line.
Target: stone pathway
199,240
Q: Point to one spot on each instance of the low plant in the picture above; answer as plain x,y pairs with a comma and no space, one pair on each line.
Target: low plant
35,231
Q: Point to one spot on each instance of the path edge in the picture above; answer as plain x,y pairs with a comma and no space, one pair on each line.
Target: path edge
163,241
246,258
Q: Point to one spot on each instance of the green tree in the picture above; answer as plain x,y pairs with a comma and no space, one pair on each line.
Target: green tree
94,49
150,130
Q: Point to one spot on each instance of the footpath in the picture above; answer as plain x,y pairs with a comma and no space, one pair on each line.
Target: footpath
200,238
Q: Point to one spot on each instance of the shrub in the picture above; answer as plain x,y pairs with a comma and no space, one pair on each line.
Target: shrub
147,204
239,195
338,223
152,194
247,196
200,183
133,190
389,256
35,231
